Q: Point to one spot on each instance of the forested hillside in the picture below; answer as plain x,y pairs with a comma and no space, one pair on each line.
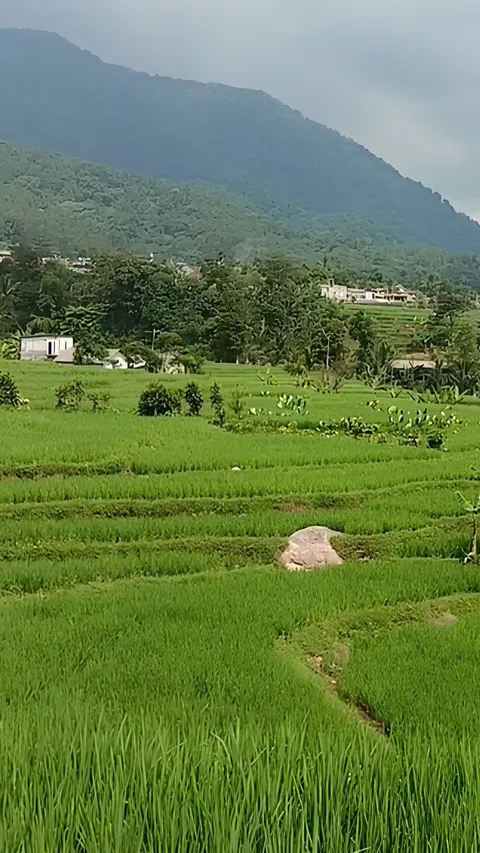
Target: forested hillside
73,207
60,98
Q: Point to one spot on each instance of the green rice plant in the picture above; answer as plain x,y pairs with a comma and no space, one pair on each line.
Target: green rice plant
416,698
155,691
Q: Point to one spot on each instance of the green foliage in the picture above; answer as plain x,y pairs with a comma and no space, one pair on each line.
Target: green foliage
10,349
292,403
84,209
217,404
83,323
193,399
100,400
70,395
9,394
236,401
157,399
268,378
136,352
192,362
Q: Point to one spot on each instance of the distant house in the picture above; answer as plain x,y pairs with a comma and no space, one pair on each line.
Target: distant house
373,297
336,292
44,347
116,360
383,297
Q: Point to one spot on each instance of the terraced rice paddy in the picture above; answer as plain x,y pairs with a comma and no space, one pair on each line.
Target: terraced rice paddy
164,685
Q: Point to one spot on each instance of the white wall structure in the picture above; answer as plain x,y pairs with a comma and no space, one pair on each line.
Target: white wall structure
40,347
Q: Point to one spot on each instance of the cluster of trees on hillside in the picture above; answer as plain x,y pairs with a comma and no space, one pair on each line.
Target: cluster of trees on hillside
271,311
62,99
84,209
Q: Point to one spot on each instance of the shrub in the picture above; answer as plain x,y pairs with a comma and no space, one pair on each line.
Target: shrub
216,398
193,399
100,402
10,349
157,399
70,395
9,395
236,401
218,407
192,362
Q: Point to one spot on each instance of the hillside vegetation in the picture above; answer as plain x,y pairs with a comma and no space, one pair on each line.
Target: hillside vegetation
60,98
66,205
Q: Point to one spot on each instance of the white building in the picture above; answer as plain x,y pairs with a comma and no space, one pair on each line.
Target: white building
40,347
374,296
337,292
116,360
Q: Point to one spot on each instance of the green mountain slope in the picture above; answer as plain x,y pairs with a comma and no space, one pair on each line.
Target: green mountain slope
75,207
60,98
81,208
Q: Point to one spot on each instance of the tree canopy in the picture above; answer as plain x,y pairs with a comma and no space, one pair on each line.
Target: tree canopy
75,208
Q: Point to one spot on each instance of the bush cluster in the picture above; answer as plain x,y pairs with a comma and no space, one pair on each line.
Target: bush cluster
9,394
158,400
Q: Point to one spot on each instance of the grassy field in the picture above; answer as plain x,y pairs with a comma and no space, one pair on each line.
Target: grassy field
166,686
399,325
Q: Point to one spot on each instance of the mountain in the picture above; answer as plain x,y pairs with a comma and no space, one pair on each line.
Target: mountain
61,98
73,207
66,205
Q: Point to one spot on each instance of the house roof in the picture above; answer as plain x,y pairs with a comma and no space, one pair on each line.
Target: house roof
44,335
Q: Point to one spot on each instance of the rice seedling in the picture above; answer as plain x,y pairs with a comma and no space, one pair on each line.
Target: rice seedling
155,692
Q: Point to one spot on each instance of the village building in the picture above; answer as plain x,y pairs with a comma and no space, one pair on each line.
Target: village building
41,347
371,297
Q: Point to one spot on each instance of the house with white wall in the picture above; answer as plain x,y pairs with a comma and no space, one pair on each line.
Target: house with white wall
43,347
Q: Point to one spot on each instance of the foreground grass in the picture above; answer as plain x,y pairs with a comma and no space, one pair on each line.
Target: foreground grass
155,686
159,715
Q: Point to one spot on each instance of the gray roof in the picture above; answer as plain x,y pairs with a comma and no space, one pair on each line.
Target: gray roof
44,335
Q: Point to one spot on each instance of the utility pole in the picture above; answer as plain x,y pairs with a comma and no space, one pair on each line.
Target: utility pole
154,333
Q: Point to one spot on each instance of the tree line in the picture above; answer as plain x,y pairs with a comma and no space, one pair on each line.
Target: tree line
270,311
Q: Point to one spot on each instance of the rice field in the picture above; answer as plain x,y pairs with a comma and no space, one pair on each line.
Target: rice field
166,686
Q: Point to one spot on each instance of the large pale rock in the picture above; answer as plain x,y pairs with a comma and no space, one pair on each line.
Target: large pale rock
310,549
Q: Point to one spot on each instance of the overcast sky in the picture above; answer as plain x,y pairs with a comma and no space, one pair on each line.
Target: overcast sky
400,76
